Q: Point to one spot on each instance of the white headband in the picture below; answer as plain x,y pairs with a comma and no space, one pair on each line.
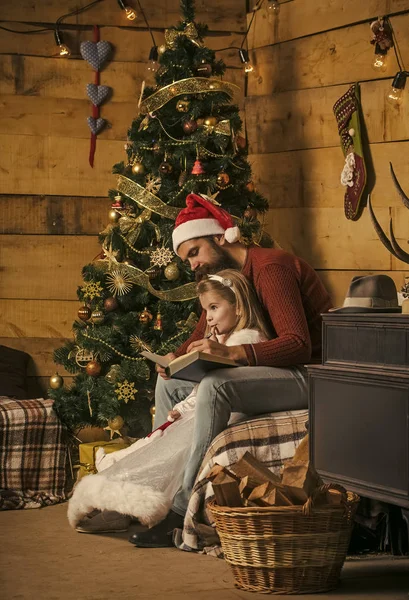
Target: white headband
226,282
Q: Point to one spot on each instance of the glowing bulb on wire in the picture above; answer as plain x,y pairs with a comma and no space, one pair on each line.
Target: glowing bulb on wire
63,49
273,9
380,62
398,85
129,12
153,64
245,59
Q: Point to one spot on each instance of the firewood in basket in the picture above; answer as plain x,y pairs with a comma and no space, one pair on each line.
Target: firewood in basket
260,491
226,490
249,466
275,497
217,469
246,485
300,480
302,454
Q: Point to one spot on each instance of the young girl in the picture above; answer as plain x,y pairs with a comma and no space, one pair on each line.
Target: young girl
141,481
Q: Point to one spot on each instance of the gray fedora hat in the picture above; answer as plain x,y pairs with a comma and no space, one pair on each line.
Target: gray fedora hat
371,293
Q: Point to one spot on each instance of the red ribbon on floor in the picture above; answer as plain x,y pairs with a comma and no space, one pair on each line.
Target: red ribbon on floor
95,109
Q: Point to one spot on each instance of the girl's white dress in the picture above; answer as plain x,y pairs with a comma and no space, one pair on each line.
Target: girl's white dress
142,480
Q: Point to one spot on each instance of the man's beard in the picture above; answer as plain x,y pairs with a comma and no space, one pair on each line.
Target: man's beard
220,260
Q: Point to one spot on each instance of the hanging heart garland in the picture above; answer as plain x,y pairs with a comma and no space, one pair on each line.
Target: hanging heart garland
96,53
97,93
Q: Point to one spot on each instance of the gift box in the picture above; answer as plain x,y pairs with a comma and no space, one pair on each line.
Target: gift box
87,453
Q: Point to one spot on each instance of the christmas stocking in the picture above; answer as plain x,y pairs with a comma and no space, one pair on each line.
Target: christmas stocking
353,176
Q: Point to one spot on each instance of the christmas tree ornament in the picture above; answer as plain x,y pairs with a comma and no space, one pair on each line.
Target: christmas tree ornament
172,271
110,304
161,256
241,142
138,344
92,289
189,126
93,368
138,168
165,168
145,317
114,215
153,272
152,184
183,105
158,322
126,391
347,111
204,69
190,322
118,202
83,357
56,381
128,262
222,179
250,213
182,178
84,313
97,317
197,168
114,426
113,374
162,49
210,121
118,282
156,148
250,186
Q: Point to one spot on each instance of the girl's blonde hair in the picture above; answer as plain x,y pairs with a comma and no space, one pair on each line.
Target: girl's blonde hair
241,295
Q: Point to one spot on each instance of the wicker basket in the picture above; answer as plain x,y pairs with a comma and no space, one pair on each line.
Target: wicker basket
283,550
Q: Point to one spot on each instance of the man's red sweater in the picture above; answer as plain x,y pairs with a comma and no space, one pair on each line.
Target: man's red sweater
293,298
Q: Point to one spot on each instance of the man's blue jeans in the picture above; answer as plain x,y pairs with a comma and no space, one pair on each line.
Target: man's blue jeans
249,390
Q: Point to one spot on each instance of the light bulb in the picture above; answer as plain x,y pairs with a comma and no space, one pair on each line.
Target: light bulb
248,67
398,85
153,64
273,9
130,13
63,49
380,62
245,59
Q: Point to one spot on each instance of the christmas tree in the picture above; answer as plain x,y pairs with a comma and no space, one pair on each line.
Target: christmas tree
137,294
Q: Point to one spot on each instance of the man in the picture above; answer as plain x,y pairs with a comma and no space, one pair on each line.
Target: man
272,377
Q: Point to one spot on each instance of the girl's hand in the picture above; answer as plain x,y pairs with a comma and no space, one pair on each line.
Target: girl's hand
236,353
174,415
160,370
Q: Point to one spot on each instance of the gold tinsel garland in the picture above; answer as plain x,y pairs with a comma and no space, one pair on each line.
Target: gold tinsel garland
96,339
192,85
145,199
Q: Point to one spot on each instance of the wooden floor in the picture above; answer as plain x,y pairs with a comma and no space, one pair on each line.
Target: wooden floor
42,558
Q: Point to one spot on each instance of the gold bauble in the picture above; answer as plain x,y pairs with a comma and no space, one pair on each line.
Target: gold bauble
223,179
56,381
210,121
152,411
116,423
172,271
145,316
113,374
162,49
97,317
138,168
93,368
114,216
183,105
84,313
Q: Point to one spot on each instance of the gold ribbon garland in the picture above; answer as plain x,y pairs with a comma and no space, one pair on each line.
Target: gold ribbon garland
146,199
192,85
138,277
190,31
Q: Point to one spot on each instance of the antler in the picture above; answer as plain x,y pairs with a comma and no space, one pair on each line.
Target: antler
391,245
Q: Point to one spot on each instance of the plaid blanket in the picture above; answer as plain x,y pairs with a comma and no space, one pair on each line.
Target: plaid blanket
32,454
272,439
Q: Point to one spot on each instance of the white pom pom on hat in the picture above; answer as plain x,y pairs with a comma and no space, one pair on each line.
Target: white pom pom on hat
201,218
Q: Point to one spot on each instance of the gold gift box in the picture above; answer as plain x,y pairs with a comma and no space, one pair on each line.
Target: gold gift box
88,452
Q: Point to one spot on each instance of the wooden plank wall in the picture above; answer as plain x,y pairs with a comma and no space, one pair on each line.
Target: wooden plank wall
52,203
305,60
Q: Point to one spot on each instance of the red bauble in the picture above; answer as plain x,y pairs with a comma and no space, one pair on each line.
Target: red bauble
93,368
84,313
110,304
189,126
250,186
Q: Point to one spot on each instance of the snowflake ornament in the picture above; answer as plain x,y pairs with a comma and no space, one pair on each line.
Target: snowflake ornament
126,391
161,257
119,283
152,183
92,289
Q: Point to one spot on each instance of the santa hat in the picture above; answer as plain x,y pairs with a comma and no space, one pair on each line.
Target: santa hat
201,218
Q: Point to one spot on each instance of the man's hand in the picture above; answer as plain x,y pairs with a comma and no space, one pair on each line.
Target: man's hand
209,346
160,370
174,415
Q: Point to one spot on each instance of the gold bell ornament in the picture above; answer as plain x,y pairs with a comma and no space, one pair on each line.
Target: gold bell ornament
158,322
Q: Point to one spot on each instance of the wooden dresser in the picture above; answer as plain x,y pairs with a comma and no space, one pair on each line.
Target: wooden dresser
359,405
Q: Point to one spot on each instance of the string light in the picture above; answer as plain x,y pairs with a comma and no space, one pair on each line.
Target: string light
245,59
130,13
59,40
273,9
153,64
398,85
380,62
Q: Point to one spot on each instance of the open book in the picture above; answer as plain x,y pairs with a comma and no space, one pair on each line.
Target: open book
192,366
